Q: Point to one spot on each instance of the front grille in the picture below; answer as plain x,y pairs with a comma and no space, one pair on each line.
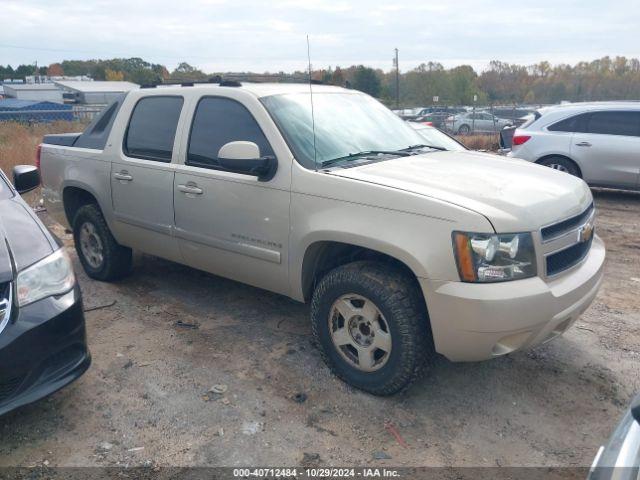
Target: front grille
557,229
567,258
8,387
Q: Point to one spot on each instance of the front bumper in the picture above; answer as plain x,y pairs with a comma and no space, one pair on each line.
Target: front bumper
472,321
42,350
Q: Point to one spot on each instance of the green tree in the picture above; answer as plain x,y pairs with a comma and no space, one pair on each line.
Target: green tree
366,80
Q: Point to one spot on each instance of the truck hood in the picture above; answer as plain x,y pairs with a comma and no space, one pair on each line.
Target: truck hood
514,195
22,238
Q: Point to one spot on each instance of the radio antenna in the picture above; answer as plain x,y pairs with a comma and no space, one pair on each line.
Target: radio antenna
313,120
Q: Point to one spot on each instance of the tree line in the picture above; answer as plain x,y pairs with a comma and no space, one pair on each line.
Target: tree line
501,83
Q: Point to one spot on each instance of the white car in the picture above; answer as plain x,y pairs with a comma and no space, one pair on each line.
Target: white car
598,142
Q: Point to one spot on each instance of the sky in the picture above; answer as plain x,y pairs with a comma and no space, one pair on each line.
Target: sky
238,35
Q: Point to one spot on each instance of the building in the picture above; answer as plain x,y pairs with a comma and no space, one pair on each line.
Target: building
94,93
56,78
29,111
33,92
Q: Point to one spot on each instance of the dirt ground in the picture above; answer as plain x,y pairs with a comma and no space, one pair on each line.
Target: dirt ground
175,332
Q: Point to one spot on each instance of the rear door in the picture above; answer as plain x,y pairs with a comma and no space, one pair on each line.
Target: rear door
229,223
607,148
142,177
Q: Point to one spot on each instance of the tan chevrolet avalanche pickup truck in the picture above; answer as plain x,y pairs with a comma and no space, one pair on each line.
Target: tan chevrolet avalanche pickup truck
401,247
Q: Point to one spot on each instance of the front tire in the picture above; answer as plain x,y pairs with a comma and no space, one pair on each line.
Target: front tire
371,324
101,256
464,130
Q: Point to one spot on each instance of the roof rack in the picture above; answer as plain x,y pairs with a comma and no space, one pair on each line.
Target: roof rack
215,80
234,79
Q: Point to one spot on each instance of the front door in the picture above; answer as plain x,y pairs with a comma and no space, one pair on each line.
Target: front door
608,152
142,178
228,223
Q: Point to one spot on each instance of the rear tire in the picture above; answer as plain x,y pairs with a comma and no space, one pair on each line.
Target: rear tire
464,130
399,337
101,256
561,164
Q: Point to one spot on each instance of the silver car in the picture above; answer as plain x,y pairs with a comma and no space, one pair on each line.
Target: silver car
598,142
478,122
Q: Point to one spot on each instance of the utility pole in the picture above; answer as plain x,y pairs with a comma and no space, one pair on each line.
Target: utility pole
395,63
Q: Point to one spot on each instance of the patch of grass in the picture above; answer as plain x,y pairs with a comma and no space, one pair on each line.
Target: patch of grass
18,141
490,142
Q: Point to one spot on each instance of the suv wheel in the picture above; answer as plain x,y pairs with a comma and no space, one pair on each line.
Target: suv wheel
562,164
101,256
372,327
464,130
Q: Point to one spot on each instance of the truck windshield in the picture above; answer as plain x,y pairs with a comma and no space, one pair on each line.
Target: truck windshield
346,124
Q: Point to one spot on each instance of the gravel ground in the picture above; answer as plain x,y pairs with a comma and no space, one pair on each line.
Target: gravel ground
173,333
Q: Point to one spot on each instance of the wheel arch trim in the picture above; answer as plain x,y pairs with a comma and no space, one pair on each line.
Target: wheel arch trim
312,251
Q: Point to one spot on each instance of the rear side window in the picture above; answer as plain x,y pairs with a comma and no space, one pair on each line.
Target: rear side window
96,134
615,123
218,121
577,123
152,128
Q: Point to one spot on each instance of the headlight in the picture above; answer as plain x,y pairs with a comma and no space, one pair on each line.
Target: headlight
53,275
484,257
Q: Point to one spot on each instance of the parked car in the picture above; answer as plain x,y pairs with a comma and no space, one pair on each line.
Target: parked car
598,142
619,459
42,332
517,116
434,109
436,138
478,122
402,250
436,119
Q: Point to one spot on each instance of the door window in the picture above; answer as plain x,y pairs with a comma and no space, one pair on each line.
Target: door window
152,128
218,121
615,123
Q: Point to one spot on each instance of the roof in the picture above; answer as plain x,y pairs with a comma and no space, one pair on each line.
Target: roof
97,86
264,89
16,104
31,86
588,106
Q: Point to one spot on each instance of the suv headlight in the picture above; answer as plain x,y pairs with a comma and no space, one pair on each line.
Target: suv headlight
483,257
53,275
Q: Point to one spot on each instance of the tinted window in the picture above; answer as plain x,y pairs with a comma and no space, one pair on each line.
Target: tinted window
152,128
218,121
576,123
615,123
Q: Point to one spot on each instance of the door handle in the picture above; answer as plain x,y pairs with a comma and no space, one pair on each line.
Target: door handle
583,144
190,188
123,176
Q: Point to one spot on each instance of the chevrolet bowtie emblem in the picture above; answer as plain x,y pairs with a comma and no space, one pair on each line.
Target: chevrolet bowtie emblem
585,233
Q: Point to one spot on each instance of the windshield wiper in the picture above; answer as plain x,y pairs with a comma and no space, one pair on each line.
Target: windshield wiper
366,153
415,147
